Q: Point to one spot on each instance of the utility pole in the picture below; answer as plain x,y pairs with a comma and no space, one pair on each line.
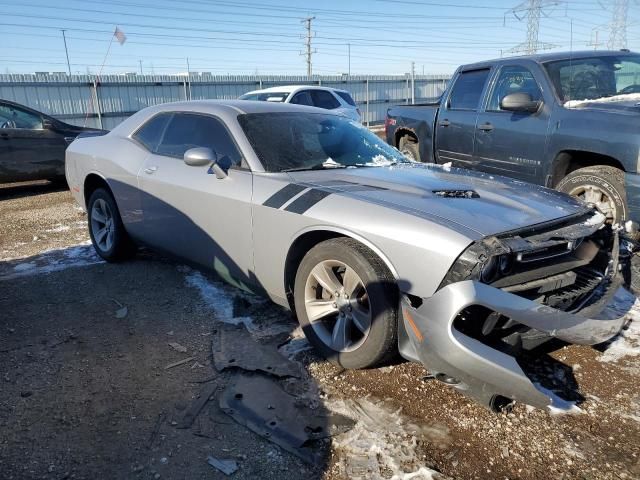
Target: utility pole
618,25
66,51
413,83
532,10
189,77
140,62
309,52
594,43
349,55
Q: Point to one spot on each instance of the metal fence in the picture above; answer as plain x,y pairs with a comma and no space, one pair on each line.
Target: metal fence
103,103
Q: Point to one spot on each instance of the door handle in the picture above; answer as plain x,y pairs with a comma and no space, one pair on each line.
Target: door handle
150,170
486,127
445,123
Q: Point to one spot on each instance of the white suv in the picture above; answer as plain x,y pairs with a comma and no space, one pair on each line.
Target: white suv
315,96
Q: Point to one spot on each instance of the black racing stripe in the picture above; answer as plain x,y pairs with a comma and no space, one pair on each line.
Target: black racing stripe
307,200
283,195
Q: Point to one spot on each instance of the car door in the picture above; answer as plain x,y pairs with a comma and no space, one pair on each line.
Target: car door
28,150
190,213
456,127
512,143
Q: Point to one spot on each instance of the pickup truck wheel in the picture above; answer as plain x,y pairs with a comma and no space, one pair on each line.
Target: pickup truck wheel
346,301
107,232
409,148
603,186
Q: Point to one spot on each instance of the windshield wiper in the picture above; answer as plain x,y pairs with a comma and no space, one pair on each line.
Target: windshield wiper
321,166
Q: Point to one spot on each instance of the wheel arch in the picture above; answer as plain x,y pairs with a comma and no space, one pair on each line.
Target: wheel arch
404,131
306,239
567,161
92,182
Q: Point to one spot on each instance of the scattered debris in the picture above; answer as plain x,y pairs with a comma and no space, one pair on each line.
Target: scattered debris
179,362
122,312
156,429
177,347
233,346
228,467
194,409
260,404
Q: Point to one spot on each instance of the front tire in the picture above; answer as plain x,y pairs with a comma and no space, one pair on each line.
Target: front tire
347,304
107,232
600,185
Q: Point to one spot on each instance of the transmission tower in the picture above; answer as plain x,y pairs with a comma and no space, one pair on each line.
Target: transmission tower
308,51
532,10
618,25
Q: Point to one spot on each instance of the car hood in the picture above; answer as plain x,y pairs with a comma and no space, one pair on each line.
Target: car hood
485,204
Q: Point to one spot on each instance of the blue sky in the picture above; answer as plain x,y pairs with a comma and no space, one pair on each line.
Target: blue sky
266,37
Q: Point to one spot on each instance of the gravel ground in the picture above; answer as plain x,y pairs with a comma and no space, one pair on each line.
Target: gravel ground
85,392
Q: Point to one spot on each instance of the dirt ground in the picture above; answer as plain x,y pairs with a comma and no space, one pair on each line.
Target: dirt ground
88,390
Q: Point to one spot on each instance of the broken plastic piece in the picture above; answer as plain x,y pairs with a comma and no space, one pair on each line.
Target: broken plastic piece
228,467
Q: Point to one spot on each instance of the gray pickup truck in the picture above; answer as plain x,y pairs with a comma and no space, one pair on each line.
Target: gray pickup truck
570,121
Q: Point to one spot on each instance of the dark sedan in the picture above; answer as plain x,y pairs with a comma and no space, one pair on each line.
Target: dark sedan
32,144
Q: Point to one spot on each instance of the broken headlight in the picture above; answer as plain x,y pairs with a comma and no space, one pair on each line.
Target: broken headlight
485,261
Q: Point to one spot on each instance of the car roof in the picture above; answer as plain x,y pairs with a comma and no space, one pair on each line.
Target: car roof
551,57
295,88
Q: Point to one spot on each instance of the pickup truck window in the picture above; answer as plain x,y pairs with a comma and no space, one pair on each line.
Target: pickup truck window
467,90
513,79
594,78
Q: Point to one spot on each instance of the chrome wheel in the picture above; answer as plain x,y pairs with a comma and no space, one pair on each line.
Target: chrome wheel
337,306
597,197
102,225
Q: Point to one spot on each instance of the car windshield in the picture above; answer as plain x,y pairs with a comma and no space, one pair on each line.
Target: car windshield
288,141
595,78
266,96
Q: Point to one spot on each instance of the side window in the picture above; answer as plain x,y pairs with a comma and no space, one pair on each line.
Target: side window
13,117
324,99
513,79
151,132
467,90
190,130
302,98
346,97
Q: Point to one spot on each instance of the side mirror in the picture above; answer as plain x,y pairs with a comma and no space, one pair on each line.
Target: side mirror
201,156
47,124
519,102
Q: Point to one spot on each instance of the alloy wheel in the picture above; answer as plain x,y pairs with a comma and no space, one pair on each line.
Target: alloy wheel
102,225
337,305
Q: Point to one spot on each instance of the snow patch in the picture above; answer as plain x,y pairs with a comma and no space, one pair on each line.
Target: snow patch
629,97
559,406
50,261
383,442
447,166
627,343
597,219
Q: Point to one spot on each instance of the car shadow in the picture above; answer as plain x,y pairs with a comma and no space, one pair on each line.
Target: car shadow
28,189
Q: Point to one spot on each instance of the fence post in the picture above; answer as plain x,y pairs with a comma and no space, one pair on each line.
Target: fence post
96,103
184,88
367,92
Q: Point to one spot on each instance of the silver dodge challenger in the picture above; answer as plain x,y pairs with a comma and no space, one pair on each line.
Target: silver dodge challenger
376,255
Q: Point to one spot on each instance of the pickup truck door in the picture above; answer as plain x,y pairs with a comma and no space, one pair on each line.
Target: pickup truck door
512,143
456,123
190,213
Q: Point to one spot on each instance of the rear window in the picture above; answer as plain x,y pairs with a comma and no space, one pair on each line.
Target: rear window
347,98
467,90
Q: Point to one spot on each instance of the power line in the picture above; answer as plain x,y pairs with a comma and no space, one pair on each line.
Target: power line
532,10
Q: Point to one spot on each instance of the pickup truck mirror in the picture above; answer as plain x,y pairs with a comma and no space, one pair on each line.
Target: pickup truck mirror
519,102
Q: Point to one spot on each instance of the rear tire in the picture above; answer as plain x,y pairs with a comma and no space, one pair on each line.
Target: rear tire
601,185
408,146
364,298
108,235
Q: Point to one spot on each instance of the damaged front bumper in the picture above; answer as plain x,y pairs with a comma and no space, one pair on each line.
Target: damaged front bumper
477,369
